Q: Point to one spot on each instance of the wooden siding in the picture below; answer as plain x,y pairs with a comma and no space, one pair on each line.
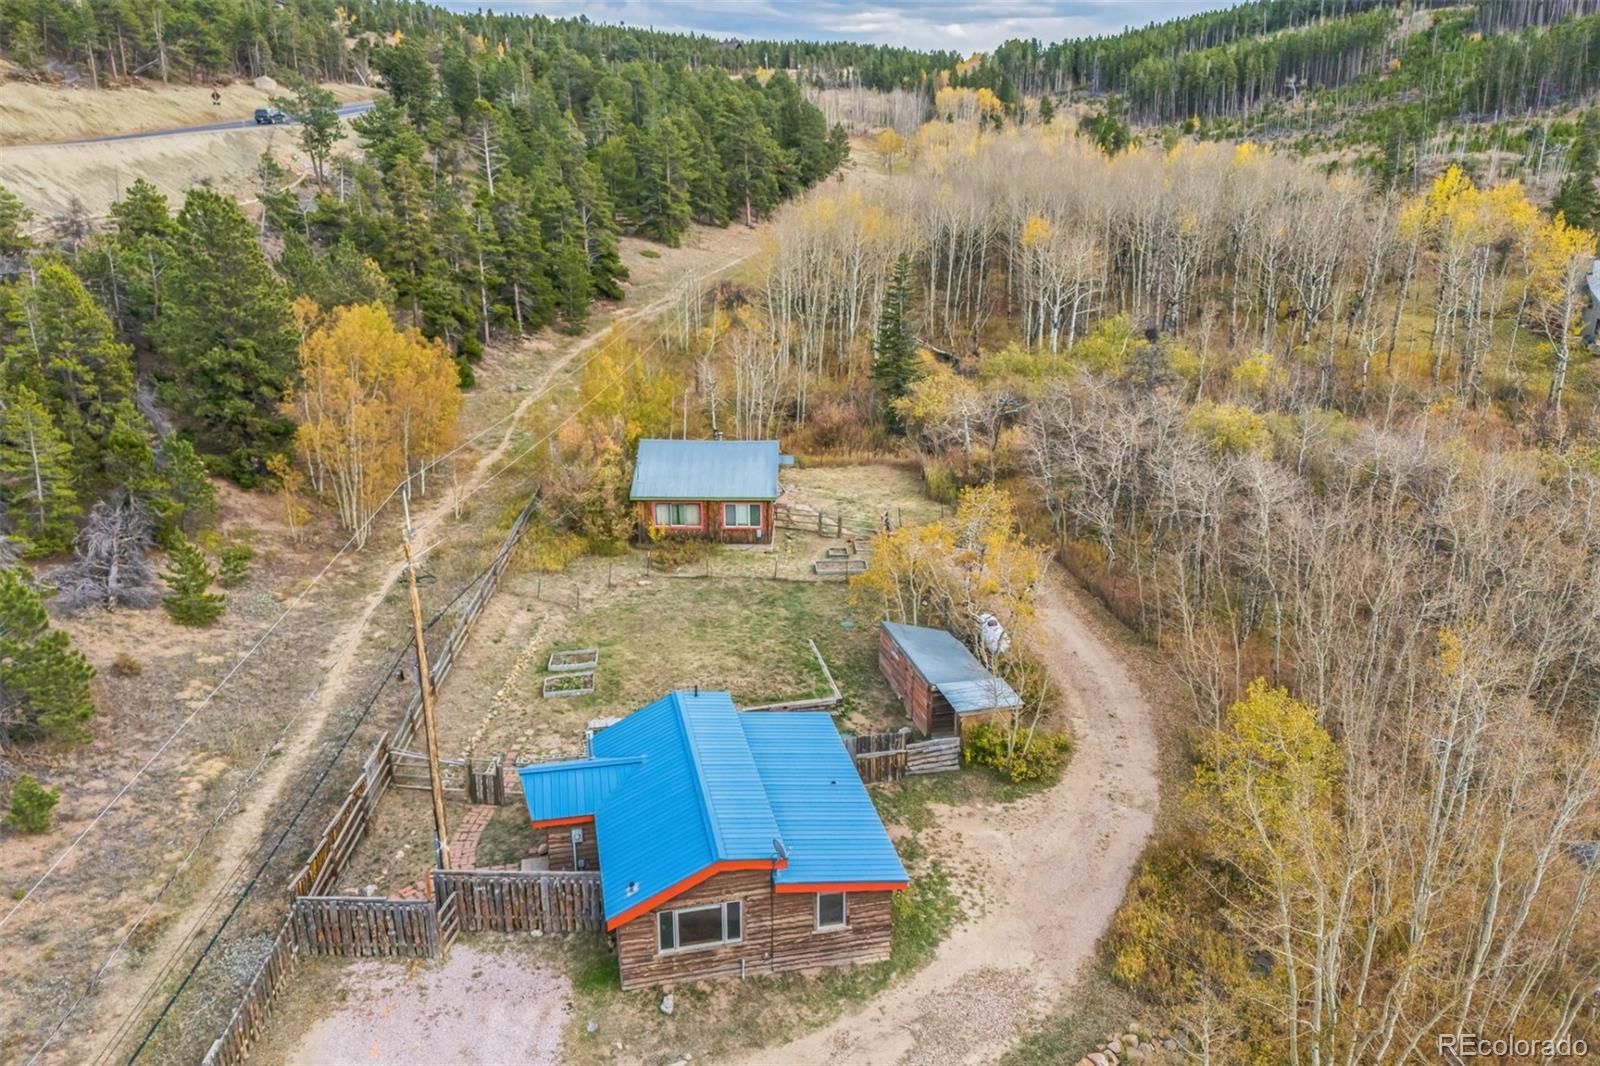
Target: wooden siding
779,933
929,712
711,527
561,850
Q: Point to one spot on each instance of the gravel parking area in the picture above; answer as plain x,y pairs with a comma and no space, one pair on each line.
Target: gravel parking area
479,1005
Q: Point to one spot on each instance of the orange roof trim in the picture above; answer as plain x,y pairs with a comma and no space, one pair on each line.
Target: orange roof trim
551,823
726,865
846,886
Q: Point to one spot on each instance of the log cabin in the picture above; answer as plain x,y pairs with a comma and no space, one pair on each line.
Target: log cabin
720,490
941,684
728,842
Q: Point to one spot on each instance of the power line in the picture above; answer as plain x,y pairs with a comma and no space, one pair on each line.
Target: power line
549,385
256,647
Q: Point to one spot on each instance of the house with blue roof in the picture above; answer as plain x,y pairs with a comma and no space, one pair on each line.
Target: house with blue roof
719,489
728,842
941,684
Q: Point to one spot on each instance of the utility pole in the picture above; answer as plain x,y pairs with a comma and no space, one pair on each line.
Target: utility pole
425,681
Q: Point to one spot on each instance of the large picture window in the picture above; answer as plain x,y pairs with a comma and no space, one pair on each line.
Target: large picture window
678,514
741,515
833,912
699,927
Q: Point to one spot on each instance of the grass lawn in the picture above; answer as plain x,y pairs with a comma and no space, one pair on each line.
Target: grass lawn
747,635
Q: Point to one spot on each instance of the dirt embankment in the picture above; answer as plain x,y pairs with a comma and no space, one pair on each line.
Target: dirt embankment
35,114
54,179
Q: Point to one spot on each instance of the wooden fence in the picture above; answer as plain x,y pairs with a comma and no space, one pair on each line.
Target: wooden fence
545,901
477,781
250,1016
892,756
349,822
934,756
879,756
347,826
361,927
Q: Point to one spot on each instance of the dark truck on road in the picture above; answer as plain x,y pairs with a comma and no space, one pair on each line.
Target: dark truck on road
270,116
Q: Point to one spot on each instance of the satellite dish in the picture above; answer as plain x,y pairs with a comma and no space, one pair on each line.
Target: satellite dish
779,850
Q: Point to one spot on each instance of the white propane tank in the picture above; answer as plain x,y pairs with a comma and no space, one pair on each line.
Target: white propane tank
996,640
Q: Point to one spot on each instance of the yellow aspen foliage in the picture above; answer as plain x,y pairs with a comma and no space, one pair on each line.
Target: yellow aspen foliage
374,405
888,144
1230,429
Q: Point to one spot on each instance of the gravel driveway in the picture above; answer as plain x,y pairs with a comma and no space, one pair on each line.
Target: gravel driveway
1056,867
478,1005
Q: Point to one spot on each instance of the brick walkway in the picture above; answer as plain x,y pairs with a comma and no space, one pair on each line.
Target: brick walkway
463,850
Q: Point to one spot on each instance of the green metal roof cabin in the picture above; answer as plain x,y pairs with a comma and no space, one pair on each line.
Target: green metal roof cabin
718,489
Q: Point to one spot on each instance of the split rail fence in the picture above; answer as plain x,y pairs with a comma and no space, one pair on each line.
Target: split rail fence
359,925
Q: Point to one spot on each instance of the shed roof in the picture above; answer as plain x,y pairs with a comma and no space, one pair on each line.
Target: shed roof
946,664
715,788
706,470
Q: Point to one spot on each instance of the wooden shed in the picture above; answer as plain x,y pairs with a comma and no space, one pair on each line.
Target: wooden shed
714,489
942,685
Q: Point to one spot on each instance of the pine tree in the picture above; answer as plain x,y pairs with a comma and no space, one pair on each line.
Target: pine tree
894,362
189,577
36,476
13,217
665,174
227,336
189,498
1047,110
63,347
44,681
572,285
30,805
1578,199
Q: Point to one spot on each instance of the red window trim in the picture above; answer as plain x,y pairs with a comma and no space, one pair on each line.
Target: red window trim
659,525
761,522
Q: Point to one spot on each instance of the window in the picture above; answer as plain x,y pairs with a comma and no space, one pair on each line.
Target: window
741,515
698,927
832,913
678,514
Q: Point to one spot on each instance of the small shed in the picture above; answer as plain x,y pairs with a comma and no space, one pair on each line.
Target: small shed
718,489
942,684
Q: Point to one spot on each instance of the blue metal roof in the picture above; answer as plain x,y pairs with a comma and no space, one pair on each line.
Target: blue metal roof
946,664
698,782
571,789
829,826
706,470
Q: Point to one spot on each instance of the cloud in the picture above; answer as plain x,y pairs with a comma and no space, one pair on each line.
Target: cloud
954,25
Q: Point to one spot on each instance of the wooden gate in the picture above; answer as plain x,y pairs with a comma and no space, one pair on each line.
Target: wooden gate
362,927
485,783
547,901
934,756
449,921
879,756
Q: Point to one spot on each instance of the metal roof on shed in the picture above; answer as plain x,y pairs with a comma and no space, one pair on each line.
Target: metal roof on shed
706,470
946,664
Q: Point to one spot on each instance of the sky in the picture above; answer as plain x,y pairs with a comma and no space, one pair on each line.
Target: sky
956,25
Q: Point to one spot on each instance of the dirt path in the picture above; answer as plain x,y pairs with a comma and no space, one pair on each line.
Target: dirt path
236,840
1057,866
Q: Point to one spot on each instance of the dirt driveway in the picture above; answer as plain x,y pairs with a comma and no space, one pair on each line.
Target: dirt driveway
477,1005
1057,865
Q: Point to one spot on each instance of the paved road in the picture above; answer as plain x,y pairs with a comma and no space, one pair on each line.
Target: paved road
346,111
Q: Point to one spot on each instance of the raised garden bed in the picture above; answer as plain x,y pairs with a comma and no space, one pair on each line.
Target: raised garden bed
839,567
577,684
563,662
